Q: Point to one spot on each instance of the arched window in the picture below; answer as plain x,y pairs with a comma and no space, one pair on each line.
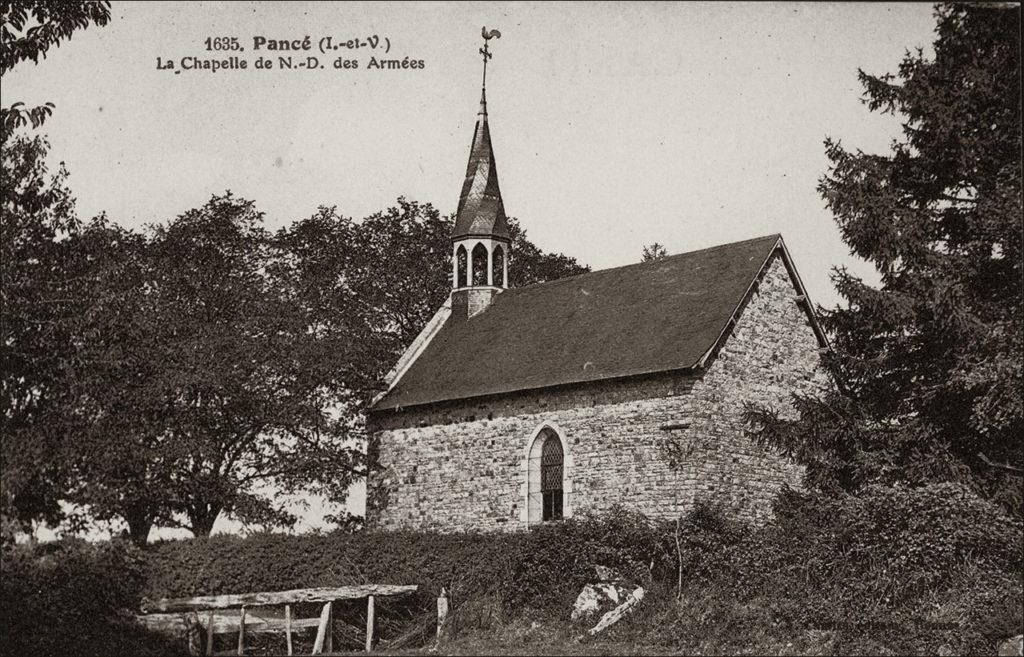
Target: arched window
545,478
479,264
551,478
498,270
460,267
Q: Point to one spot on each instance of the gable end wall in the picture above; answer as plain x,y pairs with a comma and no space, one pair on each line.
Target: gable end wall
460,465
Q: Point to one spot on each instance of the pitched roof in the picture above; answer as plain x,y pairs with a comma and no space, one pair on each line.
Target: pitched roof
643,318
481,210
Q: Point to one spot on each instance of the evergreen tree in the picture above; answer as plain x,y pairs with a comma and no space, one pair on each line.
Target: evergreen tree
927,366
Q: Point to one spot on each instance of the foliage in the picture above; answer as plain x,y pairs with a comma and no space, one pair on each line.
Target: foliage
73,597
928,367
654,251
541,568
27,31
529,264
39,297
891,569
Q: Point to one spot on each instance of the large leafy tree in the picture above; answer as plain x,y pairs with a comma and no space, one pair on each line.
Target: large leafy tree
39,301
927,366
240,382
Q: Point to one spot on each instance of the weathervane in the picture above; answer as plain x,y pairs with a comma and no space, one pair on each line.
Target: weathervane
485,51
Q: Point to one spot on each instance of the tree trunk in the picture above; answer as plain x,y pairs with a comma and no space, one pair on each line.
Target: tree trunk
139,524
202,518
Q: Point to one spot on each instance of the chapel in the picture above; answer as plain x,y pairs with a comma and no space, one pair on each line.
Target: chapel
620,387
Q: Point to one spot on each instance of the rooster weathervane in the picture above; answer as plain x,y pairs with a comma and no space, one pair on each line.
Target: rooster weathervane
485,51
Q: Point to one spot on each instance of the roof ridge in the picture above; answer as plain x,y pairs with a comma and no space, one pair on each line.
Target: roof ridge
642,263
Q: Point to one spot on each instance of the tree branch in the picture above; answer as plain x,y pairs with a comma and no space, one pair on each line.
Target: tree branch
1002,466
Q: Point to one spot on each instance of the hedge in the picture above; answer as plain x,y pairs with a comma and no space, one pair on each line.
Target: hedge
889,570
74,598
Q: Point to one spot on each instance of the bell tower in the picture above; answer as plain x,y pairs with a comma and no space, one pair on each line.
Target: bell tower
480,241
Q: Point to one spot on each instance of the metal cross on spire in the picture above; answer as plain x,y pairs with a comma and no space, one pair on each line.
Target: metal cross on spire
485,51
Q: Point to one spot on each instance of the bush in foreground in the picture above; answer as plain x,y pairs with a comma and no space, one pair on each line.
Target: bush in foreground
74,598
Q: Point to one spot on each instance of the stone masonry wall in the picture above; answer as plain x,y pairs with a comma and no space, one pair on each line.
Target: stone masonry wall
461,466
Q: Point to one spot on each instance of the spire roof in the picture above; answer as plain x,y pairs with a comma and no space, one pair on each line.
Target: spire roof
481,210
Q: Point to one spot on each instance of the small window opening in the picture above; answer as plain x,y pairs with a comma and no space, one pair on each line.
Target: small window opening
479,265
460,259
498,270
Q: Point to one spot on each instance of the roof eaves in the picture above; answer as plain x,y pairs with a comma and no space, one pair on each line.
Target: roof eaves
685,369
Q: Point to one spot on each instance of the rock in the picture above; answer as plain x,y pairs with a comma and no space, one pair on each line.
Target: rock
1012,646
597,599
945,650
613,616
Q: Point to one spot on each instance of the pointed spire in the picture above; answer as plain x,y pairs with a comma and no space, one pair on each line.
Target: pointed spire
481,211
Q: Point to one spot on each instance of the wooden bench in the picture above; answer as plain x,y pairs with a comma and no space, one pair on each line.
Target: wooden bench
189,615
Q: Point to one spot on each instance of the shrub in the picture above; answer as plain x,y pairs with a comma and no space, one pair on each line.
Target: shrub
73,597
893,568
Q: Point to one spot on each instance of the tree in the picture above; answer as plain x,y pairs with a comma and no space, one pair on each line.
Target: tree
242,391
654,251
27,31
38,305
118,466
927,367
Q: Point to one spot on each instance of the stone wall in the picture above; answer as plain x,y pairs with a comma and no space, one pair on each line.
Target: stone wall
462,465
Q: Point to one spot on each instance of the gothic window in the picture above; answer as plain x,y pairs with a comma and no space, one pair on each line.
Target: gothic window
479,264
460,260
498,270
546,478
551,478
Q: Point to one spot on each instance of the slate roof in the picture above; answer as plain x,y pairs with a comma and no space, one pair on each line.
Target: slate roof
481,211
644,318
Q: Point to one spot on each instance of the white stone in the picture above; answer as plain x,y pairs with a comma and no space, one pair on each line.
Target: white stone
595,599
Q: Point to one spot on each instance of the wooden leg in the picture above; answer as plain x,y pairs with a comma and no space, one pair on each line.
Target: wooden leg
194,633
241,632
209,634
369,624
288,627
329,637
442,612
321,630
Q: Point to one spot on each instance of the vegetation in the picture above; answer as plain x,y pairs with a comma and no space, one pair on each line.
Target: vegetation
653,251
892,570
27,31
928,367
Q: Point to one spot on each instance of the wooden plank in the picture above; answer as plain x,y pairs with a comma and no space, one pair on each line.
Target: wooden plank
288,628
295,596
321,630
241,632
223,624
369,624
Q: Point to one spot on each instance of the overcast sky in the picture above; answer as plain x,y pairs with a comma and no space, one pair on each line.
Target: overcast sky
614,125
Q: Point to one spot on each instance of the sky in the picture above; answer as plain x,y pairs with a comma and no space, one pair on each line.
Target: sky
613,125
